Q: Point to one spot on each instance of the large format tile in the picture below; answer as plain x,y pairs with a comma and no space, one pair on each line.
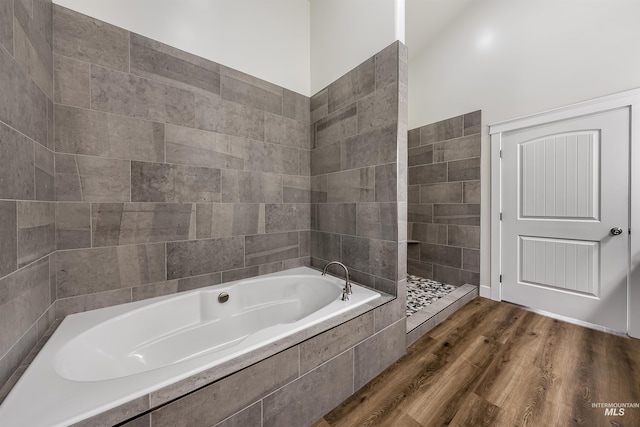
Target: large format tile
331,343
266,248
325,246
387,65
25,295
133,223
222,116
459,148
115,415
243,92
6,24
296,189
23,105
337,218
71,82
45,180
159,182
283,130
287,217
272,158
387,346
464,236
73,225
377,221
250,416
18,165
376,147
421,155
326,159
296,106
80,131
450,192
92,301
311,396
352,86
462,214
471,192
472,122
82,37
86,271
319,105
193,258
158,61
336,127
229,219
440,254
251,187
427,174
356,185
464,170
376,257
36,231
92,179
214,403
202,148
122,93
386,183
32,50
441,131
8,238
378,109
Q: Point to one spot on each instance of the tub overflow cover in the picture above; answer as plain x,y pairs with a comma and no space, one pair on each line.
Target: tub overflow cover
223,297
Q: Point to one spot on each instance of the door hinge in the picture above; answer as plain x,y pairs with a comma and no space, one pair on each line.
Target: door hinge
629,231
500,153
500,216
501,278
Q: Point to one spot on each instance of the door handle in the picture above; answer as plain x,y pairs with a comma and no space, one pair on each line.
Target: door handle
615,231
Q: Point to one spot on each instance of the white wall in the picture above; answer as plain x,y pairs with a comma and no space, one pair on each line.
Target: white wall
267,39
512,58
344,33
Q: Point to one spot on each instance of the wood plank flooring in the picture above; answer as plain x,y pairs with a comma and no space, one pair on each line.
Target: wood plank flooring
495,364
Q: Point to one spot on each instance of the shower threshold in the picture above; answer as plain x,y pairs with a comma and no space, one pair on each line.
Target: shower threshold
421,320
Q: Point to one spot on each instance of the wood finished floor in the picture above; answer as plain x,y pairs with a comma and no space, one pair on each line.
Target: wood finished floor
495,364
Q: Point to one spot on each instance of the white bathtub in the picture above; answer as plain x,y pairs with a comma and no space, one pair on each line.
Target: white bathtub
103,358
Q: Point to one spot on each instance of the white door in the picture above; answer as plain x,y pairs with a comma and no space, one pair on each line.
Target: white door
565,222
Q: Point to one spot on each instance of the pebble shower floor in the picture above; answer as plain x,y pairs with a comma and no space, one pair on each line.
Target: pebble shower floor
421,292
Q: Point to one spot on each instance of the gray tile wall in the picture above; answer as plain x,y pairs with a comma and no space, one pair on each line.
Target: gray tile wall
444,200
171,171
358,170
27,180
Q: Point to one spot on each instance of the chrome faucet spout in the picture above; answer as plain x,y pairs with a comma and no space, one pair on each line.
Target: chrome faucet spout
347,285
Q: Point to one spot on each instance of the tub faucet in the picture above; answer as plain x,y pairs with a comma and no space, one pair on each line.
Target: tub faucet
347,285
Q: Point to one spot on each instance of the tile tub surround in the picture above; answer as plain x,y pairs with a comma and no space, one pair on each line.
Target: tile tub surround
27,181
444,200
172,172
358,170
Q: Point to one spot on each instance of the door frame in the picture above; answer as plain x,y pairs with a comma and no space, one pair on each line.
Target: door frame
630,99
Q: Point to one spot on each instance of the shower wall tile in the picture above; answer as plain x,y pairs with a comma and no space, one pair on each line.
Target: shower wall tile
377,257
82,37
25,296
247,94
377,220
336,126
266,248
422,269
311,396
386,182
73,225
471,260
296,189
444,175
296,106
81,131
378,109
17,173
356,185
387,66
352,86
337,218
201,148
326,159
325,246
251,187
8,237
92,179
197,257
23,105
305,163
158,61
6,28
371,148
36,231
91,301
272,158
158,182
222,116
191,283
32,50
283,130
319,188
256,270
87,271
134,223
50,124
154,290
319,105
121,93
286,217
71,82
229,219
44,173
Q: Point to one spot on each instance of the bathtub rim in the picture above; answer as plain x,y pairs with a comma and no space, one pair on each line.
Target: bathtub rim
177,389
